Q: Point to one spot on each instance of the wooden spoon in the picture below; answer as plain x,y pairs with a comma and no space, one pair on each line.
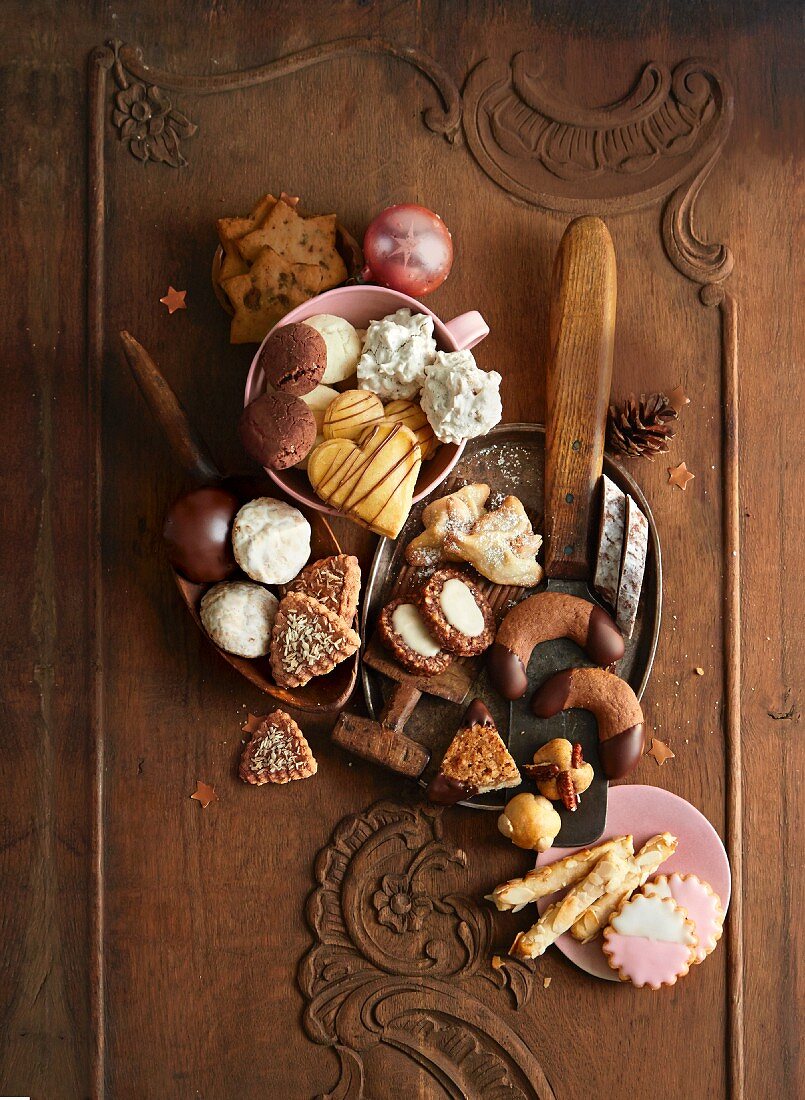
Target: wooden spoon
324,693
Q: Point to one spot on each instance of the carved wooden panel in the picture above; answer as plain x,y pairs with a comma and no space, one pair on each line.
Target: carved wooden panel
401,951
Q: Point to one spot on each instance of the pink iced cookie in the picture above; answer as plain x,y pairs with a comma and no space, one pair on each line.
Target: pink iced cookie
699,901
650,941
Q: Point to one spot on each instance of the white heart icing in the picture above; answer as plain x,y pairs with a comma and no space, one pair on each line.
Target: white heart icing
653,918
460,609
408,623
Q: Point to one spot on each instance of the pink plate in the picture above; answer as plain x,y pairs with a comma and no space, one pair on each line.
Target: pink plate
360,305
645,811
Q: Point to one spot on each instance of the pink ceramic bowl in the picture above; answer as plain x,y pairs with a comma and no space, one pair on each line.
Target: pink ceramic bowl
360,305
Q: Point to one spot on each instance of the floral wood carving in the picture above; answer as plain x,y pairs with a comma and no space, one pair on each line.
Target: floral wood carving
144,115
398,960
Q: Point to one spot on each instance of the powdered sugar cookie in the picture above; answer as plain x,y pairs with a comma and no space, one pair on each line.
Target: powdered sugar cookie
650,941
700,902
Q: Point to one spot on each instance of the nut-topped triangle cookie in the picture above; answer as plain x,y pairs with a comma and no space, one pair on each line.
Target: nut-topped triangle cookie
333,581
277,753
308,640
373,480
476,760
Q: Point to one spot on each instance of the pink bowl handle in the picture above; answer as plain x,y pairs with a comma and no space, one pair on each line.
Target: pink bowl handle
468,329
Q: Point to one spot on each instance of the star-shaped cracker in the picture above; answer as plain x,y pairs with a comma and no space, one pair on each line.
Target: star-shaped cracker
659,751
205,794
678,398
680,476
174,299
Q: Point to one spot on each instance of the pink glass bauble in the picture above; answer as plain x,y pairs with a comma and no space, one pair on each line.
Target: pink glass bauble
408,248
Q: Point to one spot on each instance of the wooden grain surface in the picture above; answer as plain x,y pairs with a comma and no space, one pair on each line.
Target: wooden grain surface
149,948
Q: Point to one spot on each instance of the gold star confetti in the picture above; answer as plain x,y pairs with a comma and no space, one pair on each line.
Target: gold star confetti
497,962
546,982
174,299
289,200
253,723
205,794
680,476
678,398
659,751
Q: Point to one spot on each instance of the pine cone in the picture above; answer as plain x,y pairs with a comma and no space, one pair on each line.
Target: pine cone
641,428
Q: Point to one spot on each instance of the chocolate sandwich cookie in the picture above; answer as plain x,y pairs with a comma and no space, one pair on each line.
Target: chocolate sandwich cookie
457,613
403,631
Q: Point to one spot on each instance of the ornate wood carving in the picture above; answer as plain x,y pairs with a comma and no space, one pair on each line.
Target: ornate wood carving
144,116
624,155
395,960
398,959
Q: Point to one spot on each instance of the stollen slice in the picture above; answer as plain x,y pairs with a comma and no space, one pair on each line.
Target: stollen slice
333,581
278,752
308,640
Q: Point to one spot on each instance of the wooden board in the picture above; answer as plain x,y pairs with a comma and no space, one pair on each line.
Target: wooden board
151,948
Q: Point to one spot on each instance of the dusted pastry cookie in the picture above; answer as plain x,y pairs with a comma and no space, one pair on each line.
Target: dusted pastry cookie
448,515
476,761
396,351
308,640
700,902
650,941
293,359
457,612
239,617
343,346
277,430
277,753
459,399
271,540
403,631
500,545
333,581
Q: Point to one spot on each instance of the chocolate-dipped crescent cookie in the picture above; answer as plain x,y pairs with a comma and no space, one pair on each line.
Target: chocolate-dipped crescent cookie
542,618
614,704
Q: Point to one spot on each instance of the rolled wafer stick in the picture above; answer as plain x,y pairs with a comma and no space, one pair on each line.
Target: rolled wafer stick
606,875
540,882
645,863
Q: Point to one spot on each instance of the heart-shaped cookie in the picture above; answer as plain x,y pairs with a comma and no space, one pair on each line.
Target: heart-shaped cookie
371,480
351,413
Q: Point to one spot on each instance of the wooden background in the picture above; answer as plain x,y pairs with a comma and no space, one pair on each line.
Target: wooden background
149,948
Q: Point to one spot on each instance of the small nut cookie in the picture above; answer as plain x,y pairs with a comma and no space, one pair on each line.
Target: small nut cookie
457,613
403,631
239,617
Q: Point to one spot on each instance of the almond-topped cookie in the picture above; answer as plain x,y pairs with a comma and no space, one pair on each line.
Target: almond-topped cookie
308,640
403,631
457,613
333,581
277,753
